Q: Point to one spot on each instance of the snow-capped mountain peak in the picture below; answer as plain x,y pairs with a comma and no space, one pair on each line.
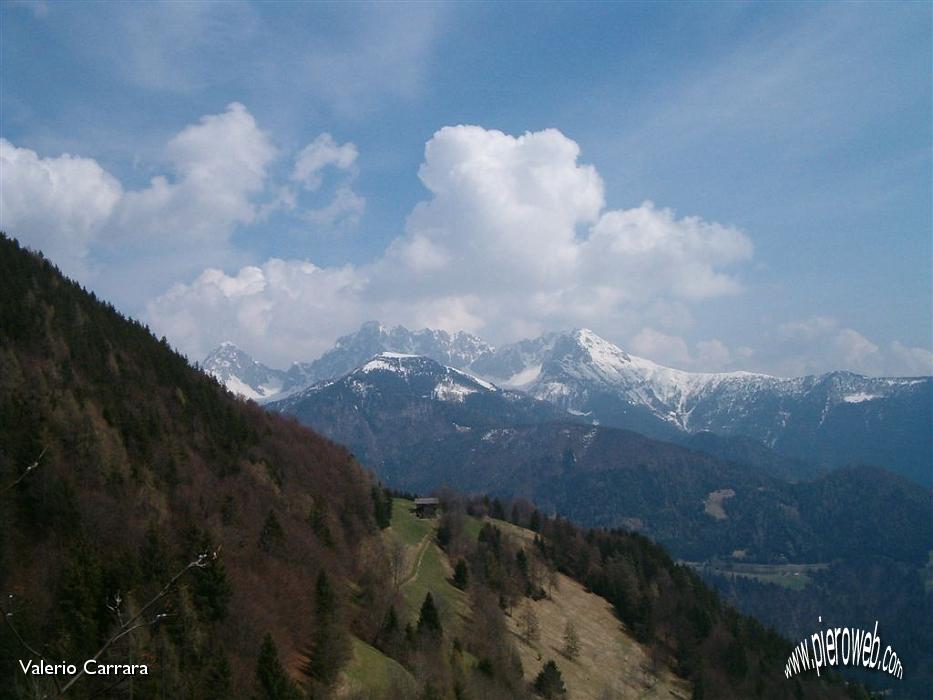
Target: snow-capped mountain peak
450,384
394,373
241,374
585,374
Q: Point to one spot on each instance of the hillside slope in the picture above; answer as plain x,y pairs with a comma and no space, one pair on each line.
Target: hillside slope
142,464
609,661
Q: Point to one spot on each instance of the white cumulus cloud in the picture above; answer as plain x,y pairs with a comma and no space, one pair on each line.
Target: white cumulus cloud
219,166
295,307
519,225
908,360
55,204
514,236
216,178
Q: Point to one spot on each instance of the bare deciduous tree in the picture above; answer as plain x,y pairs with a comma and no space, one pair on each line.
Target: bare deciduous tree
397,560
571,641
528,625
553,582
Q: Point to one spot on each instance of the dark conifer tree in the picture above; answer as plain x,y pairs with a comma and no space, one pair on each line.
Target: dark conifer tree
212,591
330,643
549,683
274,683
382,507
429,621
461,575
444,534
218,682
535,523
390,633
391,623
521,561
271,536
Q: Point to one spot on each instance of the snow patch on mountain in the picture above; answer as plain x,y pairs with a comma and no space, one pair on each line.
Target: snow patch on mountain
523,377
388,362
450,390
860,397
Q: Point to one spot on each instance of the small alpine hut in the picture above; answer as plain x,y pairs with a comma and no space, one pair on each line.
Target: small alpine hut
426,507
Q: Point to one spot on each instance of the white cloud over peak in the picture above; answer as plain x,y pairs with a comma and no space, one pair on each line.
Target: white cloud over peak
672,350
503,212
285,305
514,236
662,255
908,360
516,227
661,347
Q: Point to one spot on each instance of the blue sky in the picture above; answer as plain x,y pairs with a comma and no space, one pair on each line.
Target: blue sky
785,148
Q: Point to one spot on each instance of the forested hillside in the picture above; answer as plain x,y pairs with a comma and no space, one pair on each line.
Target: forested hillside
142,464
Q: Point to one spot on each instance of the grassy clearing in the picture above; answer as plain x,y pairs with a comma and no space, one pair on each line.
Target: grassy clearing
472,526
714,505
610,664
519,534
429,569
792,576
409,528
371,671
432,576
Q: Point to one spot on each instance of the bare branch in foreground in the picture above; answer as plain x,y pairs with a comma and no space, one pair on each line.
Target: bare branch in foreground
7,613
26,473
132,624
138,620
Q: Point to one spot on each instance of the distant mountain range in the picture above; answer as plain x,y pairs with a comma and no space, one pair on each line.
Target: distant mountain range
243,375
827,420
422,425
